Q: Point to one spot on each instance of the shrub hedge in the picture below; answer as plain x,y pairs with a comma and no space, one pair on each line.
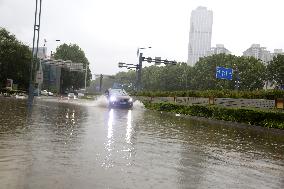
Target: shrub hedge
260,94
270,119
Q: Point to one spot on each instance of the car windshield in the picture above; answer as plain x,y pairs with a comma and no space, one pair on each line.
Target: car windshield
118,92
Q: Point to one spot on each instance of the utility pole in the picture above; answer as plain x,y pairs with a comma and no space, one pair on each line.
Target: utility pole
34,51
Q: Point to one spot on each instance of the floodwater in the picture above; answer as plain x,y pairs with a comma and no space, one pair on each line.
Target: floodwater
83,144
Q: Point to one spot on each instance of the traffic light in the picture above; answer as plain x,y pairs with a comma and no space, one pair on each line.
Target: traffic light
121,64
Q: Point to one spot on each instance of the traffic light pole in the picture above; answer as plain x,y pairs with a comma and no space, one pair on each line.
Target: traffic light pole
139,72
138,67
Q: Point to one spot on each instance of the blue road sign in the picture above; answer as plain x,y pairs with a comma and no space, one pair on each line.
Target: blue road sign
224,73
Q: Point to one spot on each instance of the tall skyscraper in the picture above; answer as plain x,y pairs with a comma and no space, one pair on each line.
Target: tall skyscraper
199,45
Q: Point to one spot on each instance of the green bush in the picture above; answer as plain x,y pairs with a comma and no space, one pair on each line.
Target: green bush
271,119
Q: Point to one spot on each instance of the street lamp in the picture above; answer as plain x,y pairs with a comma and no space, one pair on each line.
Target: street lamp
140,48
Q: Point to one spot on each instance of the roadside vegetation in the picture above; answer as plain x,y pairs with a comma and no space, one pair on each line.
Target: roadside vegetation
15,60
255,117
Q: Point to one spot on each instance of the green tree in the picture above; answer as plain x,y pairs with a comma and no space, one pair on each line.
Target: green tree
247,70
252,73
15,60
275,70
174,77
74,53
151,77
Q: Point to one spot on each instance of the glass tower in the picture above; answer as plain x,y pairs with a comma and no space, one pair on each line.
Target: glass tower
199,45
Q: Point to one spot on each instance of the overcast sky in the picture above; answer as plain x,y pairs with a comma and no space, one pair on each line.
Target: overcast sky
110,31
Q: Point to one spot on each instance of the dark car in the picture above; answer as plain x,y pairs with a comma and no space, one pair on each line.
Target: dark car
118,98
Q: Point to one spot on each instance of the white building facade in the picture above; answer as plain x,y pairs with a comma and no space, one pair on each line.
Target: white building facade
219,49
200,34
261,53
258,52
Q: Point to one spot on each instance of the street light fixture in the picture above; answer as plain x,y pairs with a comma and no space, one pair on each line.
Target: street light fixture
140,48
45,41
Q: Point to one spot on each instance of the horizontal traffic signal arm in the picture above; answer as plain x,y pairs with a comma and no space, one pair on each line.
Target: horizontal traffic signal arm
158,61
128,66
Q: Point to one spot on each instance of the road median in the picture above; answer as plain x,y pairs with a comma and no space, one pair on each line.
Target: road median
255,117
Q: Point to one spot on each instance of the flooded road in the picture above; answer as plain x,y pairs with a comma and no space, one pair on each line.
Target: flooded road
83,144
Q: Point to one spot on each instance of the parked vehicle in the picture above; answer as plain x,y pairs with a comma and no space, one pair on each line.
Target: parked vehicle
50,94
21,96
72,95
44,93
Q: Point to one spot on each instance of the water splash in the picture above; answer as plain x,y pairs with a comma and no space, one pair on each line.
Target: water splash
138,105
101,101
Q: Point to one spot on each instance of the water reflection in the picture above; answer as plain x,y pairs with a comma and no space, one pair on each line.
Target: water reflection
129,127
109,124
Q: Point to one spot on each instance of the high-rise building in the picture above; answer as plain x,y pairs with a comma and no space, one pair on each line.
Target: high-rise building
199,45
258,52
219,49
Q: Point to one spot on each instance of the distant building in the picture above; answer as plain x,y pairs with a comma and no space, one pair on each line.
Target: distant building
42,52
258,52
261,53
199,45
52,70
219,49
278,51
51,76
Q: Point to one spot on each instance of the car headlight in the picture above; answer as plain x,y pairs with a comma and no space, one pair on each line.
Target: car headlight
130,100
112,98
